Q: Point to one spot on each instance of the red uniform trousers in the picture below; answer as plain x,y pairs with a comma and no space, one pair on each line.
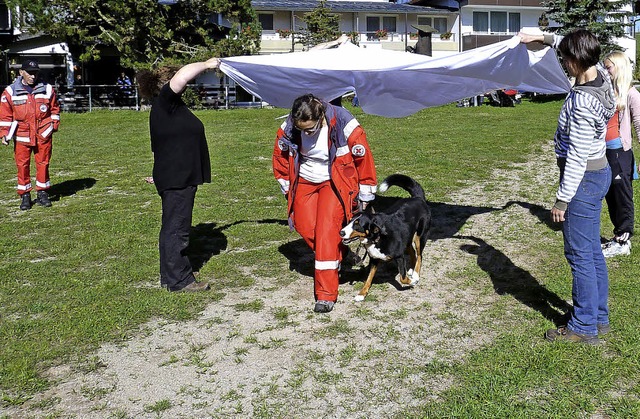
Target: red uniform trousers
318,217
42,155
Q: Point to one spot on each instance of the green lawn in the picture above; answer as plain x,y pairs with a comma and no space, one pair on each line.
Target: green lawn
85,271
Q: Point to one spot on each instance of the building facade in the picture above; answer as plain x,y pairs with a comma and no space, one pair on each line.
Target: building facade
373,24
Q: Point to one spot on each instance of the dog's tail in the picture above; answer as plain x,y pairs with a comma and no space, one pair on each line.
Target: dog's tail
406,183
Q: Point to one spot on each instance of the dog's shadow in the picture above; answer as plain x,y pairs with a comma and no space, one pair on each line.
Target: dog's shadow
508,278
69,187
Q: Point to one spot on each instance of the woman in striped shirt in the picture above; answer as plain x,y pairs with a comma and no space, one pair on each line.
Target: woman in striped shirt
585,177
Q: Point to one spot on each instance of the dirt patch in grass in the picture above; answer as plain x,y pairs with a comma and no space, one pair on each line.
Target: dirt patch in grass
261,352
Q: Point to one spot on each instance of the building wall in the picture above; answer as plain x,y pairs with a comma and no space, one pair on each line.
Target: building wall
404,35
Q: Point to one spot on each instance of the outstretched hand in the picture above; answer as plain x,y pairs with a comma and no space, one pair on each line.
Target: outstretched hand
526,38
212,63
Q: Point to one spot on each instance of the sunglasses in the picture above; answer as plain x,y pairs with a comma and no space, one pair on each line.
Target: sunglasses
314,128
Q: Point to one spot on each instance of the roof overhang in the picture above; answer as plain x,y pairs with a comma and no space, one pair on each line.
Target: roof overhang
340,6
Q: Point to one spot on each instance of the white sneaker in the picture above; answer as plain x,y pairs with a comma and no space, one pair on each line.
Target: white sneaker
617,249
607,243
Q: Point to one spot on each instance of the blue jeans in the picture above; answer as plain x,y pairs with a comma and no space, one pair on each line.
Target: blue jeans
582,249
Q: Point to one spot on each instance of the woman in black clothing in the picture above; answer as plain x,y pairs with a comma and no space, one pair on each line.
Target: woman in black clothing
180,164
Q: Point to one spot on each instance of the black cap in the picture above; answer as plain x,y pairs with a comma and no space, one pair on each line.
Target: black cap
30,65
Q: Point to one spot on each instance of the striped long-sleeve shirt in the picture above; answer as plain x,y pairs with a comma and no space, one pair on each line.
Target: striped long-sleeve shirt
580,136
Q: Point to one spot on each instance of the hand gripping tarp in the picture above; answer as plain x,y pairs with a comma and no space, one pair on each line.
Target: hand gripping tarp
397,84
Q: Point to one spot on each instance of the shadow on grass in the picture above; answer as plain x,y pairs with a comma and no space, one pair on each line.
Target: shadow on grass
301,260
448,219
543,214
300,256
207,240
70,187
509,278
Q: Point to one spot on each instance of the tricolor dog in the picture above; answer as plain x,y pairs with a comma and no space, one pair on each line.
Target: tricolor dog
394,232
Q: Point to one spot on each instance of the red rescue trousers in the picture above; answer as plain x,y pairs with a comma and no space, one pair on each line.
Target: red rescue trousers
319,216
42,155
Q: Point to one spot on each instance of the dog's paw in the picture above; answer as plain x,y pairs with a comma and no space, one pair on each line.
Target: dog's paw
415,277
358,298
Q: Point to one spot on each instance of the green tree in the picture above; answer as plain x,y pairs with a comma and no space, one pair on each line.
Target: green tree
145,31
602,17
322,26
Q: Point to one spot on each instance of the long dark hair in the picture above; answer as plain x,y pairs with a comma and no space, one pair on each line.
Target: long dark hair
307,108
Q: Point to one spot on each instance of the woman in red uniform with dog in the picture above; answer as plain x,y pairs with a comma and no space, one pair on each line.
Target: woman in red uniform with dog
324,166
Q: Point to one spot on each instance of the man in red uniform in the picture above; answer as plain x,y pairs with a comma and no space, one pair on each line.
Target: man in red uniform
29,112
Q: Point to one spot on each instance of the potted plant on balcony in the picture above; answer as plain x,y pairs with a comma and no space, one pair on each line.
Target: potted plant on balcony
381,34
446,36
283,33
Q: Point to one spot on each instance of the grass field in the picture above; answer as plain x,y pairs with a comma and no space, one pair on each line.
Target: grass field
85,271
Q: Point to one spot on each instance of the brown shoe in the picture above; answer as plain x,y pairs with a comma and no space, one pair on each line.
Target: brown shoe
565,334
603,329
195,287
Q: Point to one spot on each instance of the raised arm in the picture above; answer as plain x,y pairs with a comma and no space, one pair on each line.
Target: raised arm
189,72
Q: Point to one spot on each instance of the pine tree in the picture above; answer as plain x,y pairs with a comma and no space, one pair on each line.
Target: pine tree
322,26
602,17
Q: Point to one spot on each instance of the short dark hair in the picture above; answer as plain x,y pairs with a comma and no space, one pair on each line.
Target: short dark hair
582,47
307,108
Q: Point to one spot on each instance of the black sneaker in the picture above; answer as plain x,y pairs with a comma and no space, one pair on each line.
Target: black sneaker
43,199
26,201
323,306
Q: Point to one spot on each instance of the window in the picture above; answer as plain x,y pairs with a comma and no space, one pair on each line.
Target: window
514,22
389,23
438,23
423,20
266,20
375,23
480,22
496,22
5,20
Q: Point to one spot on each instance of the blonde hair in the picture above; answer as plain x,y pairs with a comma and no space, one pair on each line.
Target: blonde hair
622,79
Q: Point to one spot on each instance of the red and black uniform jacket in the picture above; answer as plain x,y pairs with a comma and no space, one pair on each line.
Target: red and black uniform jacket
352,170
37,113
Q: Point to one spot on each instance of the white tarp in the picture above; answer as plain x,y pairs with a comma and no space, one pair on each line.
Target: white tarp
396,84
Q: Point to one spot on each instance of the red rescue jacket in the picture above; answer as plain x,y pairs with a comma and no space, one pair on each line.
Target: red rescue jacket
352,170
37,113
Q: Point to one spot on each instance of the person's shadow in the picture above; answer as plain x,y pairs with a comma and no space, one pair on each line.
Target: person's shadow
69,187
208,239
509,278
543,214
205,241
300,256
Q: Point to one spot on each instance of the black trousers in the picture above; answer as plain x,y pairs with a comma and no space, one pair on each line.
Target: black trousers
177,209
620,196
